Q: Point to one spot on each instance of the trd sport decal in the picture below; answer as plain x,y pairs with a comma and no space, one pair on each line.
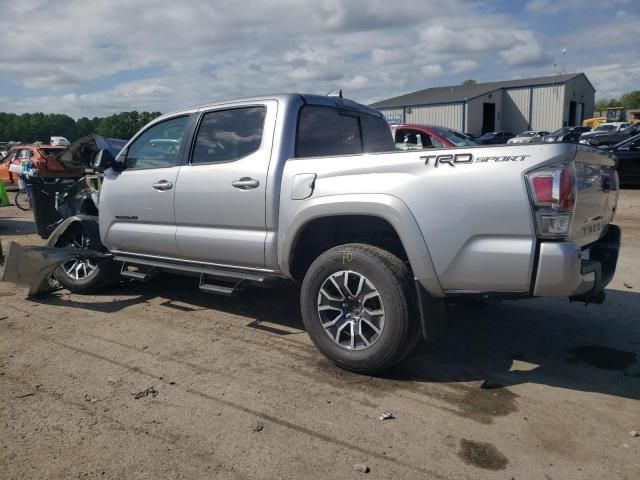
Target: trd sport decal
462,158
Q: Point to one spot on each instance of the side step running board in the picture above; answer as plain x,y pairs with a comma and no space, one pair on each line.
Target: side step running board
140,275
228,289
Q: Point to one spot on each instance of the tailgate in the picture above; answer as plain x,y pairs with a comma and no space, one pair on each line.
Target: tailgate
596,196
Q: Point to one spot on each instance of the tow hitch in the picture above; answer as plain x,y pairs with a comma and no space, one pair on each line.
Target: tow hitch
33,267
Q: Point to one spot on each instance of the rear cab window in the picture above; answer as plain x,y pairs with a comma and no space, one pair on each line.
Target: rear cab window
328,131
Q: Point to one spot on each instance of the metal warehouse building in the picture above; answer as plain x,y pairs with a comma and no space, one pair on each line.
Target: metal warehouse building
543,103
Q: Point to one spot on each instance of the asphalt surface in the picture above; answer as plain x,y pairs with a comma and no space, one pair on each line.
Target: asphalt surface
158,380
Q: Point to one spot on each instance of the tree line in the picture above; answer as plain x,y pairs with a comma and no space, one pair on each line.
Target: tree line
40,127
628,100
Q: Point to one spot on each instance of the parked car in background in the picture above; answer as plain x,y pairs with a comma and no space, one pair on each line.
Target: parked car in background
530,136
628,155
599,138
43,158
59,141
418,137
494,138
9,178
566,135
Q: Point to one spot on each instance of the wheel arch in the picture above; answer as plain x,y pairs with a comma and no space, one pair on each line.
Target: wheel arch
381,208
88,222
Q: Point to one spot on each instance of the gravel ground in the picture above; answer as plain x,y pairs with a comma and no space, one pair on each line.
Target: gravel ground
158,380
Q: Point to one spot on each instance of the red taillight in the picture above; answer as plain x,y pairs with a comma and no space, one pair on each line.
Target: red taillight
542,189
553,192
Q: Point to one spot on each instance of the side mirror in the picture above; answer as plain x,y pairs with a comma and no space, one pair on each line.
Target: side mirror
104,160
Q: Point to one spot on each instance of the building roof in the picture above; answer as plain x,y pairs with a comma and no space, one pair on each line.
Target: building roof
461,93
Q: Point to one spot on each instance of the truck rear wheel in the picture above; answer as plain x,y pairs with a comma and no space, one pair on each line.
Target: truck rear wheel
357,307
82,275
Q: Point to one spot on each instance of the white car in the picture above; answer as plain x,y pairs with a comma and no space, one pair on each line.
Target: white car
529,136
59,142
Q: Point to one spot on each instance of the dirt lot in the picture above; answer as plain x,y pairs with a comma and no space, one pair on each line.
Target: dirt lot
232,388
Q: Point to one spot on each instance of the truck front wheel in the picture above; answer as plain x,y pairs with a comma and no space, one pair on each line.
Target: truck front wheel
82,275
357,307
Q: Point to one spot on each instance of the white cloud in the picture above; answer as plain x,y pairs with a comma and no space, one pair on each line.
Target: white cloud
553,7
463,65
91,58
432,70
526,51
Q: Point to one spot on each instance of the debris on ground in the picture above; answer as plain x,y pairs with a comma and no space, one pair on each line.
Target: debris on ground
30,394
89,398
4,318
386,416
361,467
634,433
145,393
628,285
258,428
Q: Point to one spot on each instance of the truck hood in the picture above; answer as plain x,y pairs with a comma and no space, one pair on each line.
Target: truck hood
80,153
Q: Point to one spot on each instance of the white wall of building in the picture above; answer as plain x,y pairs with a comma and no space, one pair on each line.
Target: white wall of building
474,108
580,91
547,108
449,115
517,110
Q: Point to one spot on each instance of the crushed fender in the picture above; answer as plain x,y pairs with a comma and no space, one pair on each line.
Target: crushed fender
33,267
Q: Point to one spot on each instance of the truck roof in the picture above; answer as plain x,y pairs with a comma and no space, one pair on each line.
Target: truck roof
285,98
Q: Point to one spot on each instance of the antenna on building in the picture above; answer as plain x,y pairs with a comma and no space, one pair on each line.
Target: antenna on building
336,92
564,67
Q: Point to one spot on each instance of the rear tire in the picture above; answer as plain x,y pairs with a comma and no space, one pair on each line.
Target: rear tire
23,202
83,276
357,306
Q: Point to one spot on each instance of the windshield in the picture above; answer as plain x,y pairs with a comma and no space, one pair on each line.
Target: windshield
457,138
605,128
527,134
560,131
51,152
488,135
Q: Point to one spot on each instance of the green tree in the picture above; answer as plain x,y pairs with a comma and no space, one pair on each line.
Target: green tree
33,127
631,99
469,83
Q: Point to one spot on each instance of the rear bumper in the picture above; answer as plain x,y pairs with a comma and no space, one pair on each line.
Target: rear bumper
563,270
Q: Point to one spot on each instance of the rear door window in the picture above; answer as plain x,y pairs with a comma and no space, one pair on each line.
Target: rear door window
228,135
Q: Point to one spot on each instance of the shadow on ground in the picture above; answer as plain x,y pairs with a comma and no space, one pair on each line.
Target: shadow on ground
17,226
545,341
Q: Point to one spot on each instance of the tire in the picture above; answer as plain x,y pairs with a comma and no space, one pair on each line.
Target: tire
82,276
23,202
382,329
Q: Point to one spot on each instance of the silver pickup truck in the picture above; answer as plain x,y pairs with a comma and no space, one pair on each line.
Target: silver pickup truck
309,188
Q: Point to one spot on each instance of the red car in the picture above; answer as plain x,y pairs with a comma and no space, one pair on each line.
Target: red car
43,158
418,137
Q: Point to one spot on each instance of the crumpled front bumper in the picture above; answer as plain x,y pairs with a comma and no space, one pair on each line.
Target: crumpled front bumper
33,267
564,270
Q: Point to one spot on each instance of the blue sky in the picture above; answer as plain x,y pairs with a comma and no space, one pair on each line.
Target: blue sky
95,58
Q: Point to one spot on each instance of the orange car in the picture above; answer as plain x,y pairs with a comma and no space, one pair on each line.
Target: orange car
43,158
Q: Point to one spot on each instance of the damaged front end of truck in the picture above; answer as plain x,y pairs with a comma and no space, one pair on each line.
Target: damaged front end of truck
57,204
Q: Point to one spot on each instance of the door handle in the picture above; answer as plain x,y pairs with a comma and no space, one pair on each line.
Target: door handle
246,183
162,185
